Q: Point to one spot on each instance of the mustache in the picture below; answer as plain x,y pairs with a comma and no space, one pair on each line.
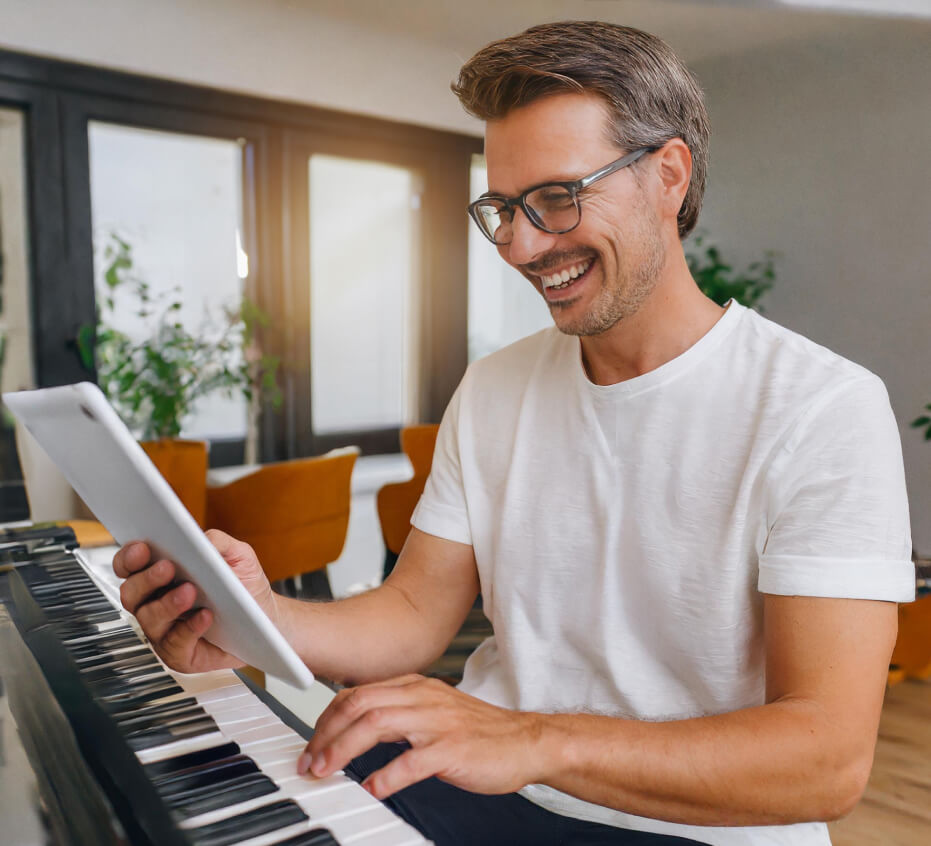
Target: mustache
555,259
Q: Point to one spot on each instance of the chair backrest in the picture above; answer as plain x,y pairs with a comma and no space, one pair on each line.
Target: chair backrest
184,466
418,443
396,501
294,514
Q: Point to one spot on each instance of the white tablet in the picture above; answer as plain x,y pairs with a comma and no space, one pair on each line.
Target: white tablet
98,455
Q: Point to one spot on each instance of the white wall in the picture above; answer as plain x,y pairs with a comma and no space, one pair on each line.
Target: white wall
820,151
273,48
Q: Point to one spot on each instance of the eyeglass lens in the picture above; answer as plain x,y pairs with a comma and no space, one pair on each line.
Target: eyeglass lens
552,208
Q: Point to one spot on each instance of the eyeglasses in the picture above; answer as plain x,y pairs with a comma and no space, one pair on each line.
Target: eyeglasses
554,207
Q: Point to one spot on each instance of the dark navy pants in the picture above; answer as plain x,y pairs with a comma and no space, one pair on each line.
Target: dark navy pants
450,816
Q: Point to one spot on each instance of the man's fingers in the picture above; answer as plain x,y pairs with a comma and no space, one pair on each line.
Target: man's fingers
410,767
131,558
352,703
158,616
136,590
181,641
377,725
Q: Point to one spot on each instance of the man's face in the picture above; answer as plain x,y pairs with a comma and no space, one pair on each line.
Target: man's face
615,255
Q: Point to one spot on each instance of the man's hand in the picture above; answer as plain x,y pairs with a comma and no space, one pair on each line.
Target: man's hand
456,737
164,610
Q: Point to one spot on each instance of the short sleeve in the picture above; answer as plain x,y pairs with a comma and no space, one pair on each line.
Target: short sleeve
442,508
838,512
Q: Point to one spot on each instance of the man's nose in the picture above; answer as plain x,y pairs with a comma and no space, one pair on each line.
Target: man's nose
527,241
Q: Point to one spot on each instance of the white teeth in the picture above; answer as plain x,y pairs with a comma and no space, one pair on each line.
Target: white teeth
562,277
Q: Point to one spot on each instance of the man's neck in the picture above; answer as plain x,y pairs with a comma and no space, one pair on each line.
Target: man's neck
672,318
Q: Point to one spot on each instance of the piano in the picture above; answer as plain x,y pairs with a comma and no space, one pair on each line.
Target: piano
125,751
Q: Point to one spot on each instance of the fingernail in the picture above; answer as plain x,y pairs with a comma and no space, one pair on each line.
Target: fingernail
318,765
303,763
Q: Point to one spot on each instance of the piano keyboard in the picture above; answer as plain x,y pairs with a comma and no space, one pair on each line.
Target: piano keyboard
220,765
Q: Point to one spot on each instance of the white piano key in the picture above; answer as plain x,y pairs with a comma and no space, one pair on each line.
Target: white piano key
243,727
337,803
354,823
272,731
285,753
209,686
180,747
230,712
282,771
396,834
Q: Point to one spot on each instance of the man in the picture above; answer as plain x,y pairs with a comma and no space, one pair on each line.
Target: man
688,525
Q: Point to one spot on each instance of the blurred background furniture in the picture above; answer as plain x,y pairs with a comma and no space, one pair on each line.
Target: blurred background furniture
294,514
911,657
396,502
183,463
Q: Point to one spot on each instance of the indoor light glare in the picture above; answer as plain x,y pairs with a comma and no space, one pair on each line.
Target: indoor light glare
912,8
242,259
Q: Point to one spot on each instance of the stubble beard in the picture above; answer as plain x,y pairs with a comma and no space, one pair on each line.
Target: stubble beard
622,296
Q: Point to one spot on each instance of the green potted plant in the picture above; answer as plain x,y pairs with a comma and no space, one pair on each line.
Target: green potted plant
924,422
154,380
720,282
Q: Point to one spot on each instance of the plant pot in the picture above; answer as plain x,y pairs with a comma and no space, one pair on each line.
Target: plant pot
184,466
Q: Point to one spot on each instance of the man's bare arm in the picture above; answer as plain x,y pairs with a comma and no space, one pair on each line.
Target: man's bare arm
399,627
805,755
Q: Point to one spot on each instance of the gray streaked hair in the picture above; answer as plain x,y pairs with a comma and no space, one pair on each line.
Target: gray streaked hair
651,95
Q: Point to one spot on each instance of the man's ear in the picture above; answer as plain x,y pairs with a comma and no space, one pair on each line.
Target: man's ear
674,168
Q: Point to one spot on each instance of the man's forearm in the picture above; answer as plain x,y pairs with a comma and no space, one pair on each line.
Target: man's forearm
364,638
779,763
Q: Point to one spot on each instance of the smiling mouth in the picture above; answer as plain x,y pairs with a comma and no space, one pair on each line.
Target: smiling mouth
565,277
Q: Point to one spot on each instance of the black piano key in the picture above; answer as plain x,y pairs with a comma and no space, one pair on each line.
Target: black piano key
167,781
118,663
40,533
243,789
100,643
169,734
208,775
161,769
137,696
163,709
249,824
88,659
314,837
156,722
132,684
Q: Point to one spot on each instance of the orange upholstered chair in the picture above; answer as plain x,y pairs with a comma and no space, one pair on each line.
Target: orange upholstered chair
294,514
396,501
184,466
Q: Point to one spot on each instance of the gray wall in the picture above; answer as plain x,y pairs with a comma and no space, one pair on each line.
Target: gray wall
821,150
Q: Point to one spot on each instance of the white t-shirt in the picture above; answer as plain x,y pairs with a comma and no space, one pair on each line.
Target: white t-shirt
625,534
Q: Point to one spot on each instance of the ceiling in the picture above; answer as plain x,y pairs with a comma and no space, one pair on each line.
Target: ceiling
697,29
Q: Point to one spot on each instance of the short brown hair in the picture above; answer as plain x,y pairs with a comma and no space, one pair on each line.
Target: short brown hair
651,95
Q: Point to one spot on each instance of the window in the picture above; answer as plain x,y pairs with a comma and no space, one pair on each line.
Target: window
176,199
364,243
503,305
